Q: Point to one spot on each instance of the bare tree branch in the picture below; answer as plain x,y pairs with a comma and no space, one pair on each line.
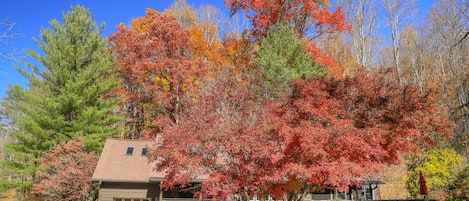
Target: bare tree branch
363,15
462,39
397,11
7,33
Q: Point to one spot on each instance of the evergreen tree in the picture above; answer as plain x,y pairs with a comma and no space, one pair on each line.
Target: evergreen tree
66,94
282,57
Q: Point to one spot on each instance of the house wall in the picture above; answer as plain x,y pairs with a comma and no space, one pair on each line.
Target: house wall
324,196
354,194
111,190
377,194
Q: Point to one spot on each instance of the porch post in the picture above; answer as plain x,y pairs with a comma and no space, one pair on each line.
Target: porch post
160,196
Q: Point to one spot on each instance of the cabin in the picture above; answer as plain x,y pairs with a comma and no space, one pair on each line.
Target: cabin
124,173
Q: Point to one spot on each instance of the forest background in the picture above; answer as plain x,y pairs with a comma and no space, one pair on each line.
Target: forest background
416,85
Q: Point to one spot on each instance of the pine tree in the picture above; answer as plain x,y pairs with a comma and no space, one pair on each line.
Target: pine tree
282,57
66,97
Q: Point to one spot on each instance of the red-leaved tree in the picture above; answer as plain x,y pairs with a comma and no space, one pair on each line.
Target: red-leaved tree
302,14
219,130
327,132
66,172
156,69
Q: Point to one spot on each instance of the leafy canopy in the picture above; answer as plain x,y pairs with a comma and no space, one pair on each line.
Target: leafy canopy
327,132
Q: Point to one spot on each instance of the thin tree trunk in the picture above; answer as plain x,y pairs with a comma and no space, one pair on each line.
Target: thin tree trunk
445,83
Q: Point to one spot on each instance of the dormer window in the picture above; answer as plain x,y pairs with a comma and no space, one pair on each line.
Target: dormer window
144,151
130,151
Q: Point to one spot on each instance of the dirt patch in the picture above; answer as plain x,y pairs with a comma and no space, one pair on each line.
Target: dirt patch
7,195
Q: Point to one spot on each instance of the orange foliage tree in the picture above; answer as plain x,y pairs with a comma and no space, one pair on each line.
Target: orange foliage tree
203,24
157,68
204,43
237,51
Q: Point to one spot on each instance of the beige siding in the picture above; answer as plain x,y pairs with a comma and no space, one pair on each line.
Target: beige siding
109,194
108,191
321,197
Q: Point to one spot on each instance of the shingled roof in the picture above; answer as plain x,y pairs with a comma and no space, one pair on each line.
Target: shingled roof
116,164
124,161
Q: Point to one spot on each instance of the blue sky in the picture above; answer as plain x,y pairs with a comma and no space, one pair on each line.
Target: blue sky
32,15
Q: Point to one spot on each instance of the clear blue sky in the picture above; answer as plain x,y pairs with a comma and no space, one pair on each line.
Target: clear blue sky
32,15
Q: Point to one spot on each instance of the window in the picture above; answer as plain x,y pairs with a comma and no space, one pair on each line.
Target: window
144,151
130,150
368,191
178,192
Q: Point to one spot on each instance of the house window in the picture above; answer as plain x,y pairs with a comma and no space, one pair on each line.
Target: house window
144,151
130,151
368,191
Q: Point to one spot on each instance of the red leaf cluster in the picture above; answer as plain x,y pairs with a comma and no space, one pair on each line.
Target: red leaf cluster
66,172
328,132
332,67
337,130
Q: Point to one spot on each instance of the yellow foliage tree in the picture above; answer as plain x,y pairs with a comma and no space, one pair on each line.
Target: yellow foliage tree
438,165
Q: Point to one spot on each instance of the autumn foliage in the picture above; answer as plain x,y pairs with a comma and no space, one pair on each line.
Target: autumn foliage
237,52
327,132
302,14
66,172
223,122
156,69
258,113
330,65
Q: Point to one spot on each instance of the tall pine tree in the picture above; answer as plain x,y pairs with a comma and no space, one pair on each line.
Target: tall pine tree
66,94
282,57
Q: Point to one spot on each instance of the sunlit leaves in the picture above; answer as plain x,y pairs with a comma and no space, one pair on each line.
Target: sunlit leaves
303,15
157,67
327,132
324,131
